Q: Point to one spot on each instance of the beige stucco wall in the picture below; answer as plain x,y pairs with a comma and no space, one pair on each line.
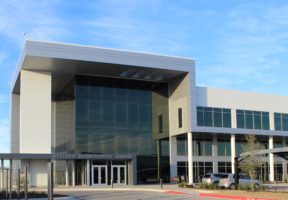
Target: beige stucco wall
15,114
35,112
179,97
38,173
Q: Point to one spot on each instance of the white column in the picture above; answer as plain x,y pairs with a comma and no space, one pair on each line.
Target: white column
271,120
173,154
214,152
233,118
233,151
88,173
73,172
190,159
284,163
66,174
271,160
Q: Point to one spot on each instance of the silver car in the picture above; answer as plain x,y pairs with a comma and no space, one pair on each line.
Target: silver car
228,181
213,178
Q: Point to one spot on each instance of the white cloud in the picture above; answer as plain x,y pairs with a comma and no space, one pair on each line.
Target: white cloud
249,46
5,136
36,18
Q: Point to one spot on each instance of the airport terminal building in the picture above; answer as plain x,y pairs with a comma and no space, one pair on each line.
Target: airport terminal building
106,114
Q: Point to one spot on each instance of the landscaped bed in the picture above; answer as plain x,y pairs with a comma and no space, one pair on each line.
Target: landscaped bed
31,194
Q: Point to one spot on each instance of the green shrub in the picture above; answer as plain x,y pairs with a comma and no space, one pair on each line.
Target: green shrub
207,186
182,185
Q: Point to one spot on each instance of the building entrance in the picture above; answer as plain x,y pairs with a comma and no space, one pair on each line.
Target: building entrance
118,174
99,175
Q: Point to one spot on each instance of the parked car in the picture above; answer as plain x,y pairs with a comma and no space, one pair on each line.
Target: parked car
212,178
228,181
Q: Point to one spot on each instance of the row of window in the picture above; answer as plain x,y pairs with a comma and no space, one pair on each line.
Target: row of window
200,169
203,147
281,121
253,119
247,119
214,117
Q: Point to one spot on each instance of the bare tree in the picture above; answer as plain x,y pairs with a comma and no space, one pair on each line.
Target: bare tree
250,164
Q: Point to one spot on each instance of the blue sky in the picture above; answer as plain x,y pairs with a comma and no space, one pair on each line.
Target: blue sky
238,45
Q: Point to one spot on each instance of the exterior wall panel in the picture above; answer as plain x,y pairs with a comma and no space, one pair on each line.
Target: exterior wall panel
35,112
15,114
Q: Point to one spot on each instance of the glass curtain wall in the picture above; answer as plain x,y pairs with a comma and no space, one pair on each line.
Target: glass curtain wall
114,116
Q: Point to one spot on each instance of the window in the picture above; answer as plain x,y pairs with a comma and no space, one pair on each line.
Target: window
213,117
224,167
281,121
180,118
182,147
252,119
160,123
223,147
202,146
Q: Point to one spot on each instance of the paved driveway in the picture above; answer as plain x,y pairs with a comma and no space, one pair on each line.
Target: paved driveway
129,194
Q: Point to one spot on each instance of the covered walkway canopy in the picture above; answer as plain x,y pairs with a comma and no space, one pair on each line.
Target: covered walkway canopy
281,152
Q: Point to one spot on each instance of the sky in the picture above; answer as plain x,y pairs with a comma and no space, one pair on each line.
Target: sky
239,44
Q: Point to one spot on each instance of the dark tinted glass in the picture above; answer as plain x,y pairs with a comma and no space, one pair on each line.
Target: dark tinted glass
257,120
249,119
200,116
240,119
113,116
180,117
208,117
213,117
285,122
265,121
217,117
277,121
227,118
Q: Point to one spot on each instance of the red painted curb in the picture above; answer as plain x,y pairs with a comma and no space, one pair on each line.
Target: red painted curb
231,197
174,192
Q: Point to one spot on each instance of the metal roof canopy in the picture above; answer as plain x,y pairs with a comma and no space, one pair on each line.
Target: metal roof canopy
281,152
30,156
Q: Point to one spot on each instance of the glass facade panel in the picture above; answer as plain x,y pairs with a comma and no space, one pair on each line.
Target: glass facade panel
240,119
224,167
202,146
265,121
253,119
277,121
227,118
182,147
285,122
208,117
213,117
113,116
200,116
223,147
257,120
249,119
217,116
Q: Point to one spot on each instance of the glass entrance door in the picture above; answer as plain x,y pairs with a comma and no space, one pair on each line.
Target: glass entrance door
118,174
99,175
